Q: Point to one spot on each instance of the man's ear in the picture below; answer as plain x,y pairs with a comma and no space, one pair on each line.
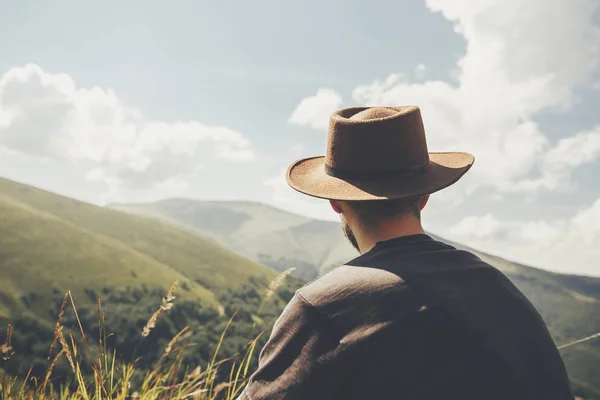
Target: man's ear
423,201
336,206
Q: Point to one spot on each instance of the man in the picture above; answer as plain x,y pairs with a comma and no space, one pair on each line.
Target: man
410,318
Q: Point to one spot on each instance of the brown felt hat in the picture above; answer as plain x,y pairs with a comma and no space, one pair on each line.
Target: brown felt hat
377,153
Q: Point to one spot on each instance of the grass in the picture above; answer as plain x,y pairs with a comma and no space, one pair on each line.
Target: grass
97,374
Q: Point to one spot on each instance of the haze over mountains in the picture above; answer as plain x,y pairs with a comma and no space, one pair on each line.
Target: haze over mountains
569,304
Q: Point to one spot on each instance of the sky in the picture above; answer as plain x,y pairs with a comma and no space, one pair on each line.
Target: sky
143,100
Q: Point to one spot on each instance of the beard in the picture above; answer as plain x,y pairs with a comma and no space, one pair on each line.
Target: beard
349,234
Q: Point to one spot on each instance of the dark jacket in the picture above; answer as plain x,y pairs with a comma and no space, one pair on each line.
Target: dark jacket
411,319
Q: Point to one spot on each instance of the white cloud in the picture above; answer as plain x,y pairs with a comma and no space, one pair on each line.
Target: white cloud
515,66
541,231
557,164
49,116
587,224
480,227
570,245
314,111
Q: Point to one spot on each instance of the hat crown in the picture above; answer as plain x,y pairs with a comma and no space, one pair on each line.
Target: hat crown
371,140
373,113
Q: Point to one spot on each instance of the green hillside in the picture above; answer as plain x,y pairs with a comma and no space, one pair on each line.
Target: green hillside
41,252
570,305
185,252
50,244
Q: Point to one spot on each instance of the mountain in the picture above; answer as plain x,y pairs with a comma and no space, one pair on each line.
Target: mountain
51,243
569,304
51,237
273,237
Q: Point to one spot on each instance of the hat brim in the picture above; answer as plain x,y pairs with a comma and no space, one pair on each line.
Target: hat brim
308,176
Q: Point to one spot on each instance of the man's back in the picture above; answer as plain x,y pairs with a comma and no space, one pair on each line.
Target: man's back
413,318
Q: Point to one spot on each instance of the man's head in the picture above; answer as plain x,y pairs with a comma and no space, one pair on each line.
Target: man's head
365,221
376,153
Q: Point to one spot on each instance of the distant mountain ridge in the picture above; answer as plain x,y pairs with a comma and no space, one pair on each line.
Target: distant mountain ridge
274,237
569,304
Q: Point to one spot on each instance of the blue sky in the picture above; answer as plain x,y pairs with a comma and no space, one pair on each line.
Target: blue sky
138,101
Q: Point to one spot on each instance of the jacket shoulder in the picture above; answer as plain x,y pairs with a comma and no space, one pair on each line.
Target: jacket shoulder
351,296
349,283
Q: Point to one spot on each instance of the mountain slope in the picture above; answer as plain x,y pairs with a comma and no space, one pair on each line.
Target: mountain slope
51,242
188,253
570,305
40,252
275,238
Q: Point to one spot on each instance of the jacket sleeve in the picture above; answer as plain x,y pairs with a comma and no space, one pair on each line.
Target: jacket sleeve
301,359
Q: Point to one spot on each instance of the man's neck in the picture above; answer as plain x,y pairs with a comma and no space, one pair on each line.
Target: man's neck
368,238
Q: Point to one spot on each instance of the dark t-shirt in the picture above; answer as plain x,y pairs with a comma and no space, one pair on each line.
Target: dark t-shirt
413,318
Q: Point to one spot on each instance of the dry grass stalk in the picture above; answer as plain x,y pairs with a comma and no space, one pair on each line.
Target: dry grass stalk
167,304
58,321
100,315
151,324
65,347
220,387
101,332
170,294
195,373
83,335
51,368
6,349
179,335
277,282
585,339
